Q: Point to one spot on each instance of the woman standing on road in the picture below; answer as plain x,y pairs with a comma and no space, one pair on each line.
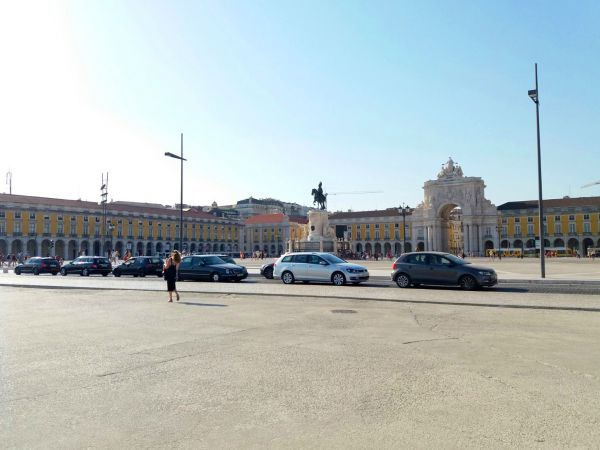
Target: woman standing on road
170,271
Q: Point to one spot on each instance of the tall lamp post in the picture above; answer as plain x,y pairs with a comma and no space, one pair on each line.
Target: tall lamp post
181,159
404,209
534,95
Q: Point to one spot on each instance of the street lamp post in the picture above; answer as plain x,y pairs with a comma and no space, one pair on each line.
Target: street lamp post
534,95
404,209
181,159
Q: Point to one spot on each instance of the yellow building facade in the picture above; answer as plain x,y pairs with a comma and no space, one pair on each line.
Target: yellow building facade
67,228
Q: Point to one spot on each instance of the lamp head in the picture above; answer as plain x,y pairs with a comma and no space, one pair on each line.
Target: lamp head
533,95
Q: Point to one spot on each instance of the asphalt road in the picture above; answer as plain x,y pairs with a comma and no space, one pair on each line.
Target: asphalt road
259,364
516,286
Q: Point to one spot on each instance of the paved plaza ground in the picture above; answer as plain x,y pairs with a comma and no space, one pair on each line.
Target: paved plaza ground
264,365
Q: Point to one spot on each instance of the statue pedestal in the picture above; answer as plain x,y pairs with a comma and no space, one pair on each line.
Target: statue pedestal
321,237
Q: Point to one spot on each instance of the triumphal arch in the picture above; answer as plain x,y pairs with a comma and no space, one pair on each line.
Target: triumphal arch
454,216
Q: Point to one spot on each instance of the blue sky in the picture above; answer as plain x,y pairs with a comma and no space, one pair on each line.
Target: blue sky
273,97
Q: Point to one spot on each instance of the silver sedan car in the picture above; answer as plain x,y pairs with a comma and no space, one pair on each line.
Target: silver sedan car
317,266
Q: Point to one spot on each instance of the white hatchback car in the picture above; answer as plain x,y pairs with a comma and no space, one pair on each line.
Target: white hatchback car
317,266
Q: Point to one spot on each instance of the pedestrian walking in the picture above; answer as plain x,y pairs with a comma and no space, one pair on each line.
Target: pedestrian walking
170,271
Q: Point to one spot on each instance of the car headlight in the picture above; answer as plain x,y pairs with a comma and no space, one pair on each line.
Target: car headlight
484,273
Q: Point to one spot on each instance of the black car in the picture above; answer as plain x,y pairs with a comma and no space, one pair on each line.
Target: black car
87,265
266,270
442,269
37,265
210,267
140,266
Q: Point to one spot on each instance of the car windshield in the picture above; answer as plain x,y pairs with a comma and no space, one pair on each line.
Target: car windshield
211,260
332,259
31,261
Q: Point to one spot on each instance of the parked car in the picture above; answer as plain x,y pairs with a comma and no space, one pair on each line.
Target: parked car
140,266
440,269
87,265
318,266
210,267
37,265
266,270
227,259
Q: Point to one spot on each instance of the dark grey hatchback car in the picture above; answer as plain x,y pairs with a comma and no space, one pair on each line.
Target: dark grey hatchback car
441,269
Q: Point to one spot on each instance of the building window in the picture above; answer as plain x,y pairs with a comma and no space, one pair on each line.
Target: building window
31,227
557,228
571,217
46,225
86,228
377,234
572,228
518,229
358,236
130,229
97,219
530,220
17,214
17,226
73,226
159,231
119,229
586,217
60,228
140,230
2,227
85,218
557,218
32,216
586,227
2,215
530,229
517,220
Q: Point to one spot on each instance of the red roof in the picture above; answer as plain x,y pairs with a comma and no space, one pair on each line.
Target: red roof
266,218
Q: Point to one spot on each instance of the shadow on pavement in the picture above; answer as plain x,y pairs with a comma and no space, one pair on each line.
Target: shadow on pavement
201,304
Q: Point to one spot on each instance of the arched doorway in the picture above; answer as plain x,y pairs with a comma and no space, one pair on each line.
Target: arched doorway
84,248
32,248
16,246
587,242
159,248
421,246
368,248
72,250
559,243
46,250
397,248
359,248
139,249
3,247
377,248
59,248
489,245
97,250
408,247
450,216
387,249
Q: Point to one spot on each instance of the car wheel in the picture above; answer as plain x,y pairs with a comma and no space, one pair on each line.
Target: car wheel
338,279
17,271
54,273
215,277
142,274
403,280
63,272
117,274
468,283
85,273
36,271
269,273
105,274
287,277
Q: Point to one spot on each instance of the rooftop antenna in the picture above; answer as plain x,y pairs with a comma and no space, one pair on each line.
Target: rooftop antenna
9,181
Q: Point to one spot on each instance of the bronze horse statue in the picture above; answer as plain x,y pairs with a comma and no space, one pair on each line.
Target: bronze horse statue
319,197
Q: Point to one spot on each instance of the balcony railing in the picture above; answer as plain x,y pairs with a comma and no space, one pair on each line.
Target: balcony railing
17,233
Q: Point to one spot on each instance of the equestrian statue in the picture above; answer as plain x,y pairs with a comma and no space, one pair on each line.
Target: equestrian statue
319,197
